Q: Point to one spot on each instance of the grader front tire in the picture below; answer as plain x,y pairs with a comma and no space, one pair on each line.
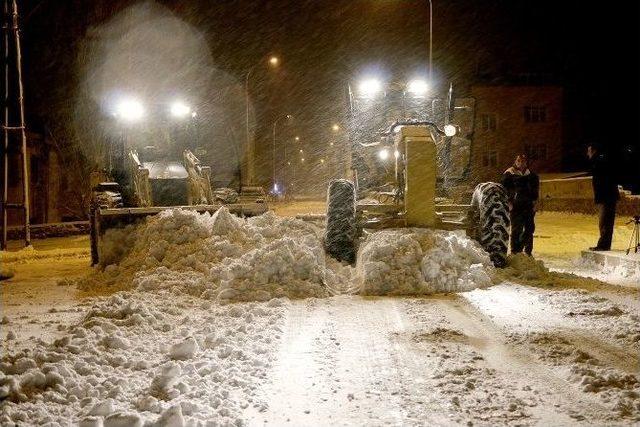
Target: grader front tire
342,230
489,217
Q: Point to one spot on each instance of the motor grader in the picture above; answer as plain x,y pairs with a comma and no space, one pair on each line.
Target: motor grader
410,197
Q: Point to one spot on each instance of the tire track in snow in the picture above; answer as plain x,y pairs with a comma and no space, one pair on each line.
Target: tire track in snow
560,403
340,364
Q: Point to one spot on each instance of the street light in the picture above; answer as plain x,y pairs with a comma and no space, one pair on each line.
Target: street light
383,154
335,127
275,123
273,62
129,110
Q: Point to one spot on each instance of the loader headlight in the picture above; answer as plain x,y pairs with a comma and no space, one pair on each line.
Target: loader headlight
129,110
450,130
369,88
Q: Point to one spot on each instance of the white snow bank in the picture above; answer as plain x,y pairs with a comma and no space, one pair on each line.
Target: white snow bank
421,261
146,359
224,257
218,256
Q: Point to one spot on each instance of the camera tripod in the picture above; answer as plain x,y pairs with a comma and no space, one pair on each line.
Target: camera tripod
634,241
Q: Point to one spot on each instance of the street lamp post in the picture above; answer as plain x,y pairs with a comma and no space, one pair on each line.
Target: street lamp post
249,149
430,41
275,123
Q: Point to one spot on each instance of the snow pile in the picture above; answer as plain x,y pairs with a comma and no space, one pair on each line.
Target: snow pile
134,359
223,257
528,270
420,261
218,256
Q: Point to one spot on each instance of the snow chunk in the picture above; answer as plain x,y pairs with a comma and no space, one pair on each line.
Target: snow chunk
223,222
172,417
184,350
123,419
166,377
102,408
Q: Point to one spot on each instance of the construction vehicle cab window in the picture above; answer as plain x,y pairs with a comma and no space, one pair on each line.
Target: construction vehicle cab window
319,213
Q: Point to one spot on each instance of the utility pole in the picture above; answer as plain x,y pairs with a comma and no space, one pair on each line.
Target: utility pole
11,30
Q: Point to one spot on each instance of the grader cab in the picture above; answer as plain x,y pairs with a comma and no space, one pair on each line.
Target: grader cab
412,200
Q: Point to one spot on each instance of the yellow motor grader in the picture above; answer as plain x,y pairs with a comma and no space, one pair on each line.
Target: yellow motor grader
410,199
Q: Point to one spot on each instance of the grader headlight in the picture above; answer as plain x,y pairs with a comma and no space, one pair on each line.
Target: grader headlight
418,88
450,130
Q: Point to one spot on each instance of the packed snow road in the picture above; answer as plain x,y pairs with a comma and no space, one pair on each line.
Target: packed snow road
219,321
438,361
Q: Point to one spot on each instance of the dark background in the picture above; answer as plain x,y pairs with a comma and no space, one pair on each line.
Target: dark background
589,48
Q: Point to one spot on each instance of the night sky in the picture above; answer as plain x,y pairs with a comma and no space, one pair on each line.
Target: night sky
589,48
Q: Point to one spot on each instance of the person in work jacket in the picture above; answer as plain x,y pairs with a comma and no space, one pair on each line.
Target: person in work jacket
522,186
605,195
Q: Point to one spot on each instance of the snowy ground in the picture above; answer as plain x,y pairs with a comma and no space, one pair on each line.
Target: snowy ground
159,339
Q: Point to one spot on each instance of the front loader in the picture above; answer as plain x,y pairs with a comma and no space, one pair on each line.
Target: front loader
150,185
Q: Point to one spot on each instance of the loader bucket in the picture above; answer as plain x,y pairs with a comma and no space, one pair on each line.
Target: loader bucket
103,219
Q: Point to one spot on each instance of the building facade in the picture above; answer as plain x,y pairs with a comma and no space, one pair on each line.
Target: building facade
44,182
510,120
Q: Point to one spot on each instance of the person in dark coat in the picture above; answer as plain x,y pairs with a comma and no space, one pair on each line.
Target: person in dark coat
522,186
605,195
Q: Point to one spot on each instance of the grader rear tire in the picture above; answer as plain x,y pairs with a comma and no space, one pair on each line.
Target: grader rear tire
489,218
342,229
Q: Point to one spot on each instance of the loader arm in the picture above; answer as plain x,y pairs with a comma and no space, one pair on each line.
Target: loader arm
140,180
200,192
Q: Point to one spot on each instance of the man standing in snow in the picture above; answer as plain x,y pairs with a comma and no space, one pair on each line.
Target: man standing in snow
605,195
522,187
